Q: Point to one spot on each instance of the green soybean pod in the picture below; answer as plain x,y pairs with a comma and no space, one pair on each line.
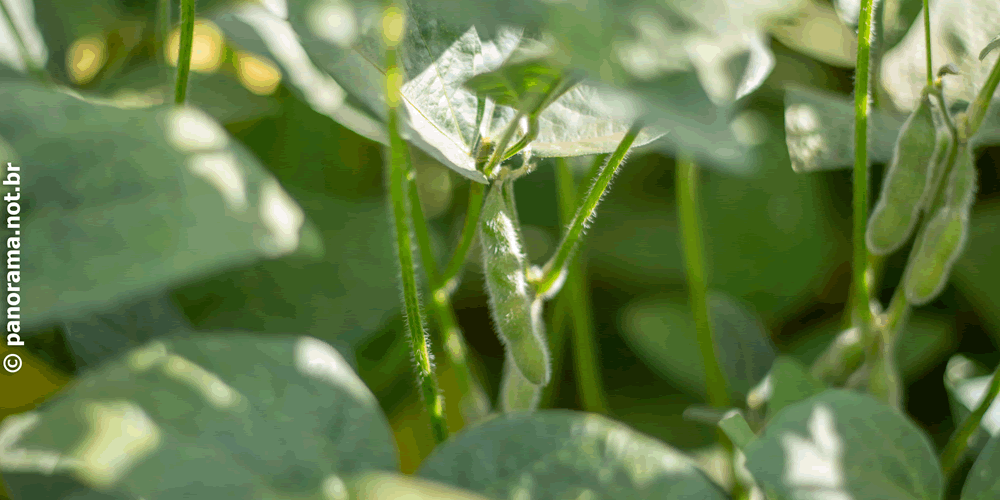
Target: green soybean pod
906,180
516,392
938,166
944,236
510,298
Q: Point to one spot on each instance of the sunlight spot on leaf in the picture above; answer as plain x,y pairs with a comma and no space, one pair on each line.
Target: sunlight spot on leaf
335,489
761,393
257,73
318,360
750,128
803,137
218,393
144,358
206,49
23,14
134,99
191,129
333,21
972,393
282,217
223,172
814,464
85,58
15,459
120,435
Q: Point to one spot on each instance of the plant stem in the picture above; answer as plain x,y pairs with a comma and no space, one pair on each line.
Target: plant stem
497,157
449,280
184,53
473,398
586,365
979,106
927,42
959,442
399,171
861,315
555,269
688,210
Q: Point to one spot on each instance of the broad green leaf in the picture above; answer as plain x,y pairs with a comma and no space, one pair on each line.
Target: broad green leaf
565,454
841,444
790,382
122,202
101,337
967,384
391,486
974,270
819,131
233,416
983,481
341,299
661,332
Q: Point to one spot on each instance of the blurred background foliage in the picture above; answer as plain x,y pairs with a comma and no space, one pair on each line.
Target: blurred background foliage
777,240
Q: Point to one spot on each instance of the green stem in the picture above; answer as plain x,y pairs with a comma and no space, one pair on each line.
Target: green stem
959,442
927,43
399,170
184,54
688,210
473,398
497,156
861,316
979,106
555,269
586,365
449,280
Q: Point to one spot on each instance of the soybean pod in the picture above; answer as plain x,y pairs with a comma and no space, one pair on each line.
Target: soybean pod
944,237
906,182
510,297
516,392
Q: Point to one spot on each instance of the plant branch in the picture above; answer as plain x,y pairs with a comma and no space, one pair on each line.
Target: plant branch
688,210
555,269
861,314
977,109
497,156
927,43
955,449
184,52
449,280
586,364
399,170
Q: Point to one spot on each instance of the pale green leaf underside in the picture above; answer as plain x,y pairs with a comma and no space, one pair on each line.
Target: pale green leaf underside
232,416
563,454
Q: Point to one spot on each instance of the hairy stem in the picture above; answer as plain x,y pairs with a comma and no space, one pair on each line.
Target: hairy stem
449,280
555,269
399,170
979,106
184,54
927,43
498,155
953,452
586,365
861,314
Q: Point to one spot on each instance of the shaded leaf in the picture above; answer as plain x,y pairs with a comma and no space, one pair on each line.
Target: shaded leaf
145,198
564,454
790,383
983,481
232,416
842,444
974,271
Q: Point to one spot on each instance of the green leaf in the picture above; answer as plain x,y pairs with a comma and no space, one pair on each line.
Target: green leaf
390,486
661,332
565,454
841,444
967,383
737,429
790,383
983,481
819,131
974,270
101,337
123,202
234,416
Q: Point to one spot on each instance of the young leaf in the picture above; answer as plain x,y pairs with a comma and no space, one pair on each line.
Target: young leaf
906,182
151,198
565,454
841,444
944,236
235,416
506,284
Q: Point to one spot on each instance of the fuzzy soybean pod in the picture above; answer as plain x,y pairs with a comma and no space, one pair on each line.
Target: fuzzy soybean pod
944,236
906,180
510,297
516,392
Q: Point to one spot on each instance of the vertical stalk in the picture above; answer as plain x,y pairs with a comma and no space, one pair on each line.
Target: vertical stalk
399,175
586,365
688,210
927,42
184,53
861,315
953,451
555,269
449,280
978,107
